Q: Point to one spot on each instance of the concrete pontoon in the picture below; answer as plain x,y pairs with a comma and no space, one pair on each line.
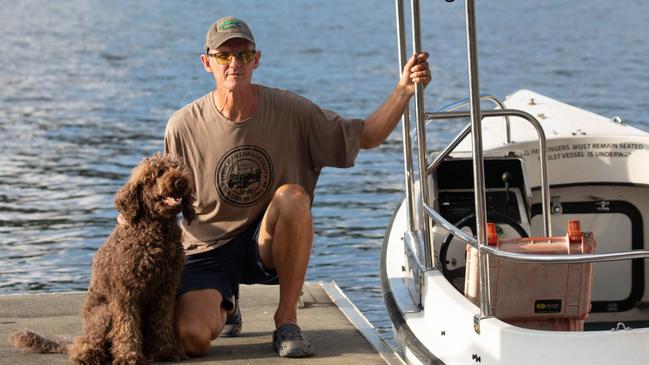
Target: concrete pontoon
338,331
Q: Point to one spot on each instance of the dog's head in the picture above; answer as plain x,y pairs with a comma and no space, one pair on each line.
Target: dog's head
160,186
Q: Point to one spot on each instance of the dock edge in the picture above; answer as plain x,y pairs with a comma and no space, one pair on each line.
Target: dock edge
354,315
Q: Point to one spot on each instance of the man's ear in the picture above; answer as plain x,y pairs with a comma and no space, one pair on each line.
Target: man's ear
205,60
257,58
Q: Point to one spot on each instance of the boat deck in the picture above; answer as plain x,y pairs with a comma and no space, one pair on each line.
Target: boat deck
323,317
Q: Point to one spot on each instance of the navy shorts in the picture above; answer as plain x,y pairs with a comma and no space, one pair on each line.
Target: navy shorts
224,268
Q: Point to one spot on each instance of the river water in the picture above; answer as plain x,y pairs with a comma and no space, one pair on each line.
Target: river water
86,88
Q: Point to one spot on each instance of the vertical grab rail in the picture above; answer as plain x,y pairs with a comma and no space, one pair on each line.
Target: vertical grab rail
425,220
478,163
405,121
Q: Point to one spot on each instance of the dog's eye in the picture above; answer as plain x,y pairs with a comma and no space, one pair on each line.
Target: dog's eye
155,174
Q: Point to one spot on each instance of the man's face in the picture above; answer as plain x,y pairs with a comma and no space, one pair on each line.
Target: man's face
228,65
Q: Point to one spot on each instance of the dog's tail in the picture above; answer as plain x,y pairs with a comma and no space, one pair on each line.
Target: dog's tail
30,340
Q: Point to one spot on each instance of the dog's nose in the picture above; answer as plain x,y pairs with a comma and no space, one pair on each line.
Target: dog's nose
180,184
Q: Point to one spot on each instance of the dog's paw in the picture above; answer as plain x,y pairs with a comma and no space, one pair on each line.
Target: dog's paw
84,354
169,353
129,358
86,358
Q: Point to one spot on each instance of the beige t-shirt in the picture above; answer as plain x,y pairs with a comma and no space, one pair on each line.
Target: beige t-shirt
237,166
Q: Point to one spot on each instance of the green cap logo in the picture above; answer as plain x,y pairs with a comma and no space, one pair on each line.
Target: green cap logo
230,24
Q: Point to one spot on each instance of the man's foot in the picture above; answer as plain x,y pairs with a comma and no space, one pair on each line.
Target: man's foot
288,341
233,321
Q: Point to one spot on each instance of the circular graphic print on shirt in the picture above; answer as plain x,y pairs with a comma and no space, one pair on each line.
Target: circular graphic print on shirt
244,175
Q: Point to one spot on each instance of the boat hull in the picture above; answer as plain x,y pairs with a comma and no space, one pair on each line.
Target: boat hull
597,174
443,331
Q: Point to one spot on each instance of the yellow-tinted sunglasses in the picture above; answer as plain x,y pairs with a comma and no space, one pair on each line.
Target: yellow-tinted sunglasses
224,58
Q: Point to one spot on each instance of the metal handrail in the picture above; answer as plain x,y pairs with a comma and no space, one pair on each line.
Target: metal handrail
405,121
443,154
480,205
545,185
536,258
428,214
424,222
463,102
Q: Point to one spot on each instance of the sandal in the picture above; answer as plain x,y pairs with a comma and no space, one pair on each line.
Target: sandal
288,341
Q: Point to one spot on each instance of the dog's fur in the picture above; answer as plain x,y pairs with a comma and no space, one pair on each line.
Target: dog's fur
129,308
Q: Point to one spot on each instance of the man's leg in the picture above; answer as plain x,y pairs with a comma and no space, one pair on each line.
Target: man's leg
285,240
200,319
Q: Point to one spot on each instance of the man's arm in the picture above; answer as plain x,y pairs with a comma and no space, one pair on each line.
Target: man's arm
379,125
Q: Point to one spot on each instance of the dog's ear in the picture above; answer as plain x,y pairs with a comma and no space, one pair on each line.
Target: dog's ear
128,202
188,209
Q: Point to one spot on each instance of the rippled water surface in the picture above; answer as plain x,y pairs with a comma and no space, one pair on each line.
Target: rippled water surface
86,88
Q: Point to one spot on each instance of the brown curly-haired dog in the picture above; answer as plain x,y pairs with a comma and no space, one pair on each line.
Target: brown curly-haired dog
129,308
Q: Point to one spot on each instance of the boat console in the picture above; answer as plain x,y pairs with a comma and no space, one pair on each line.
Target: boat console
507,200
506,191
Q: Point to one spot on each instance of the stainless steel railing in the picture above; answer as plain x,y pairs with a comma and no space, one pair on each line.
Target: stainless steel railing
424,212
536,258
405,120
424,189
456,141
465,101
545,186
478,161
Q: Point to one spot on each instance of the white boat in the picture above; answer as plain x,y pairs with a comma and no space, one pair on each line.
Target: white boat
462,291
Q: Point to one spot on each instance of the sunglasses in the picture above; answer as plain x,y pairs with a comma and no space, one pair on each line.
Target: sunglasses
224,58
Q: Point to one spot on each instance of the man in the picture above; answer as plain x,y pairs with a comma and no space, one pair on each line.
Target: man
256,153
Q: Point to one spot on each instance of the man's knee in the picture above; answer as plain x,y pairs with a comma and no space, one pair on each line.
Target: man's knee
195,338
197,322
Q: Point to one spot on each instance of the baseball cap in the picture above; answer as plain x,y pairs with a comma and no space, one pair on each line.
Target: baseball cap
225,29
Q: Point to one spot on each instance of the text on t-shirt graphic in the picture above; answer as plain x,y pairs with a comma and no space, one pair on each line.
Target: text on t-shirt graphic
244,175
